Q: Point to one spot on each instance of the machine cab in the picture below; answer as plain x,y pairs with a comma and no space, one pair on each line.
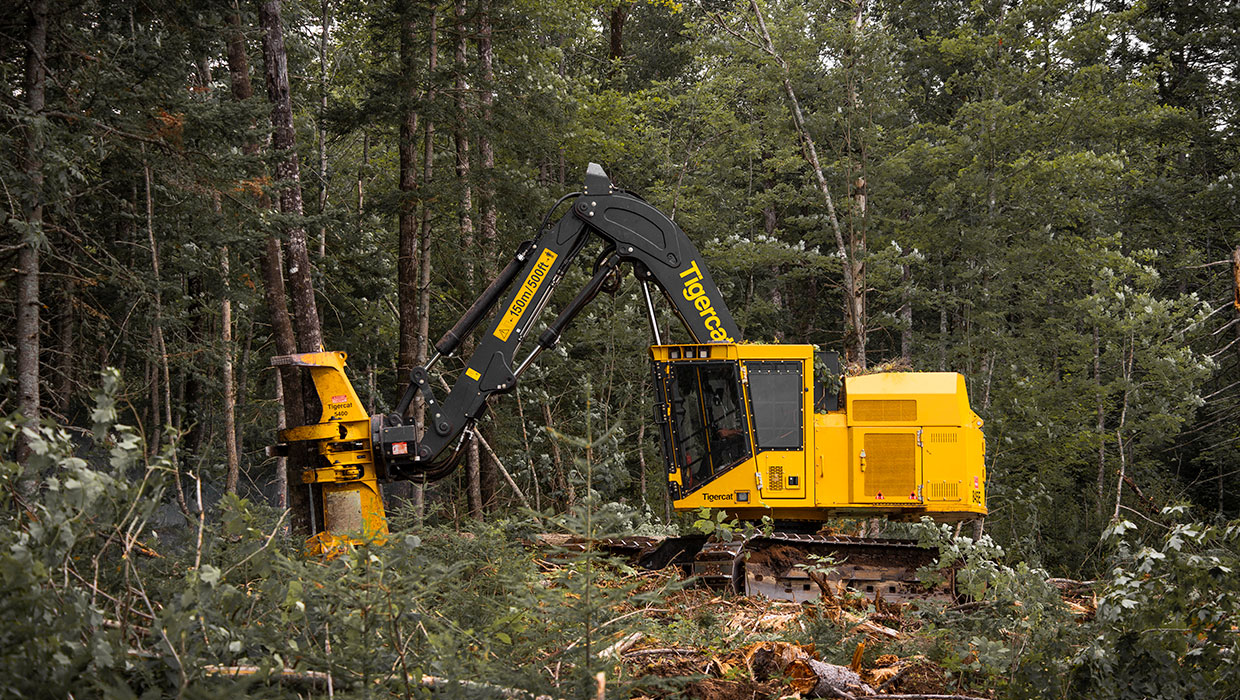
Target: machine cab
734,421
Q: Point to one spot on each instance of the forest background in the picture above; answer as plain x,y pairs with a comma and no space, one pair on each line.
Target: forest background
1039,195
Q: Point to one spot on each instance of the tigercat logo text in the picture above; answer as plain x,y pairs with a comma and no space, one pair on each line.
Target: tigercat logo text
526,294
712,497
696,293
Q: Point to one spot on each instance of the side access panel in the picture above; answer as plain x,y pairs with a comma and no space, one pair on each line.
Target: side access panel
886,465
783,474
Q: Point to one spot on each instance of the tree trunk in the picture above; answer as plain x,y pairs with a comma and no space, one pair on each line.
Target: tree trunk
325,22
465,226
567,491
28,305
616,18
854,289
1100,426
906,315
238,64
641,459
288,176
1125,364
67,352
160,346
422,341
190,387
288,384
361,178
487,215
407,254
230,394
282,404
309,334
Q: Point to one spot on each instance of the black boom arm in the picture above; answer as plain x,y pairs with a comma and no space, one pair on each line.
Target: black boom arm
633,231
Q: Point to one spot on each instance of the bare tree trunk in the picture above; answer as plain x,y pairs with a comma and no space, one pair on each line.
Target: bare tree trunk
465,225
238,64
155,436
160,346
854,290
407,254
326,22
563,482
641,458
282,405
288,176
292,408
422,341
230,394
486,152
1235,273
942,318
28,305
288,383
1125,364
487,215
906,315
361,176
1100,426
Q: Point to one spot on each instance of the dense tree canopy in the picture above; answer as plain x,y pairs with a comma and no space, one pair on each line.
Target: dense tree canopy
1038,195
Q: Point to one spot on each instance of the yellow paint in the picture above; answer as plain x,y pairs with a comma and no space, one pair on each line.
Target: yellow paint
539,272
927,439
344,465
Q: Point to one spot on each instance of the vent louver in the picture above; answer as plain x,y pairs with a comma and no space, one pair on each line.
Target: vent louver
775,478
890,464
890,410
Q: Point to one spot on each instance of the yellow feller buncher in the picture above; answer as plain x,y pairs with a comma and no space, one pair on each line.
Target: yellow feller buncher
756,430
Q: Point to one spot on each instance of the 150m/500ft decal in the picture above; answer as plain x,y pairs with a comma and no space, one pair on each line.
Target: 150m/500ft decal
696,293
534,280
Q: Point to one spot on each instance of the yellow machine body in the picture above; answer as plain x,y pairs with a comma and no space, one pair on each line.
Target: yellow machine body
346,498
741,433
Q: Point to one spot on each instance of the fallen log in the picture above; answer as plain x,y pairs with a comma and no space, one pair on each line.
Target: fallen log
655,652
477,687
818,679
1068,585
285,675
871,627
621,646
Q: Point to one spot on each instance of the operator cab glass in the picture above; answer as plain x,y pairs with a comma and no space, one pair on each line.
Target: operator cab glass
775,395
709,431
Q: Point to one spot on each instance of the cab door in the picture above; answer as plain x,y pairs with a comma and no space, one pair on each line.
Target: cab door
886,465
777,410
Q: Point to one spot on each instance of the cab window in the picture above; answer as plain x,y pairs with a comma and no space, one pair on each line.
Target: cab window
777,404
709,431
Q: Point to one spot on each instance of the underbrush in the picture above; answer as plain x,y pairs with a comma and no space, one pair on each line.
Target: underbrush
94,603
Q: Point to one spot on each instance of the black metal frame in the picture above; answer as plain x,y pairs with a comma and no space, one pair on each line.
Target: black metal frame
632,231
672,454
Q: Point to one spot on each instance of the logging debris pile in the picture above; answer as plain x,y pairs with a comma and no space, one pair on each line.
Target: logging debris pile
760,648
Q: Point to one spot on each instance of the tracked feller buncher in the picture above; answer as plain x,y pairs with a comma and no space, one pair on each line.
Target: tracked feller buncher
753,429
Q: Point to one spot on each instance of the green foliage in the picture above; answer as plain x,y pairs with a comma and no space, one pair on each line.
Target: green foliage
1013,630
1165,623
1050,193
70,533
98,605
718,524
